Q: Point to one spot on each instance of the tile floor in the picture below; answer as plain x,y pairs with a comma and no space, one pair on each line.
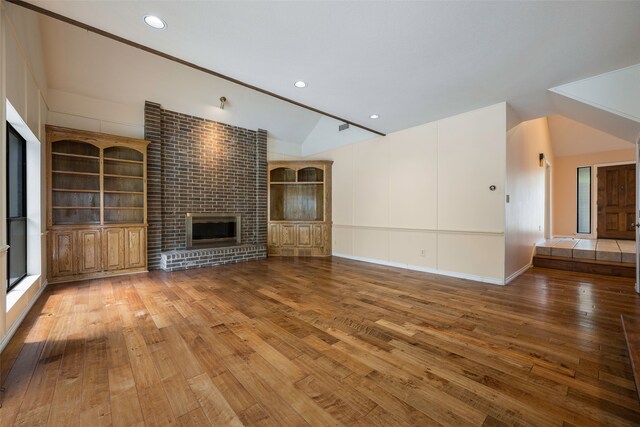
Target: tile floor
600,249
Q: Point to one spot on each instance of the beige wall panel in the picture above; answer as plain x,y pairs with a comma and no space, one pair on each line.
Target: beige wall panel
371,183
371,243
25,24
474,254
122,129
417,248
42,129
33,106
107,111
413,177
342,240
342,185
525,212
16,74
472,157
74,122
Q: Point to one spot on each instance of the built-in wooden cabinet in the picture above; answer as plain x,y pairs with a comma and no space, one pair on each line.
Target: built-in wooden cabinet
97,209
299,208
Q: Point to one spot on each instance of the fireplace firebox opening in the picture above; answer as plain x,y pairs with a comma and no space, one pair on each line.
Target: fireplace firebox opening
209,230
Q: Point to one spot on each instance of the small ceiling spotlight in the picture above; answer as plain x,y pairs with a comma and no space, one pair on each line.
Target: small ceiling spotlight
300,84
222,102
374,116
154,22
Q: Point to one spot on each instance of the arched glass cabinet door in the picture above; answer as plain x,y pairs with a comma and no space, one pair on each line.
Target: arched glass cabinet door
310,174
123,185
75,182
282,175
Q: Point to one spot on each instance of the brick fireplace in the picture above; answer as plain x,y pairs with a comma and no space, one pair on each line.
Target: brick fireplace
205,167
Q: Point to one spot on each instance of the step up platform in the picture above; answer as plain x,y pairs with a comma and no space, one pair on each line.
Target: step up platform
603,256
601,249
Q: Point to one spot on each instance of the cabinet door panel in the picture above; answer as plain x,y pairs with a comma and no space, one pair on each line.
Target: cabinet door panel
89,251
304,235
135,248
318,236
288,235
113,248
274,235
62,248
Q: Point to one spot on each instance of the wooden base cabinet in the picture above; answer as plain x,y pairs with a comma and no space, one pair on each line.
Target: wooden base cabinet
298,240
79,253
97,204
299,208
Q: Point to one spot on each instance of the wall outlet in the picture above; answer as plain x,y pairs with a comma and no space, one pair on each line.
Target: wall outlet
422,253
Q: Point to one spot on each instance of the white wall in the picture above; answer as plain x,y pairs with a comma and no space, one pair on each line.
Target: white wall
420,198
326,136
281,150
525,185
23,87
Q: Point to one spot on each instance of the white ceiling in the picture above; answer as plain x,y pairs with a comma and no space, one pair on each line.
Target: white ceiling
570,138
78,62
409,62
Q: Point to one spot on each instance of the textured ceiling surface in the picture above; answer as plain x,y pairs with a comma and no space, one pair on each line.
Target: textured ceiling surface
409,62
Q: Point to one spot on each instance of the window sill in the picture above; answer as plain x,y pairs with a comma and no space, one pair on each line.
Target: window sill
22,288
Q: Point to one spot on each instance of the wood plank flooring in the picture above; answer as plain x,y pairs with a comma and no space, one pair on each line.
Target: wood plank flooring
287,342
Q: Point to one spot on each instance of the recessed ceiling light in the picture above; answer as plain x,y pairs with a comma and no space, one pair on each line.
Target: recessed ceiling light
300,84
154,22
374,116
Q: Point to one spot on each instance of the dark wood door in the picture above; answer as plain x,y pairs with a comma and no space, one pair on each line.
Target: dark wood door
617,202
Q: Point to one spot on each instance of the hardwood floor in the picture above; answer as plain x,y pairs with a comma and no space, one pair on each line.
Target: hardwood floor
323,342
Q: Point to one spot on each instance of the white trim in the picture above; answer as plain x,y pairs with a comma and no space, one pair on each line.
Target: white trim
517,273
12,330
421,230
475,278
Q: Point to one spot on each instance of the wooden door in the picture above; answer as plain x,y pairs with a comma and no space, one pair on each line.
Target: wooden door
616,202
89,251
62,250
113,248
135,250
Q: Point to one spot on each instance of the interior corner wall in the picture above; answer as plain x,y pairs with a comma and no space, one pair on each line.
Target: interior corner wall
23,86
420,198
281,150
564,187
525,187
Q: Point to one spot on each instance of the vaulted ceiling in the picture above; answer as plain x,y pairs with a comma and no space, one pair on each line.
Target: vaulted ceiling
408,62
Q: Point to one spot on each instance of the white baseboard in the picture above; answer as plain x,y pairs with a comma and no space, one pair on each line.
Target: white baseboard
12,330
517,273
455,274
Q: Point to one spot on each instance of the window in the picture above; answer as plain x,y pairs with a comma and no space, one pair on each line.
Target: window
16,207
584,200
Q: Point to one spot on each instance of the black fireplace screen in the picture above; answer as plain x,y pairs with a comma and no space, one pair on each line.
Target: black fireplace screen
211,230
